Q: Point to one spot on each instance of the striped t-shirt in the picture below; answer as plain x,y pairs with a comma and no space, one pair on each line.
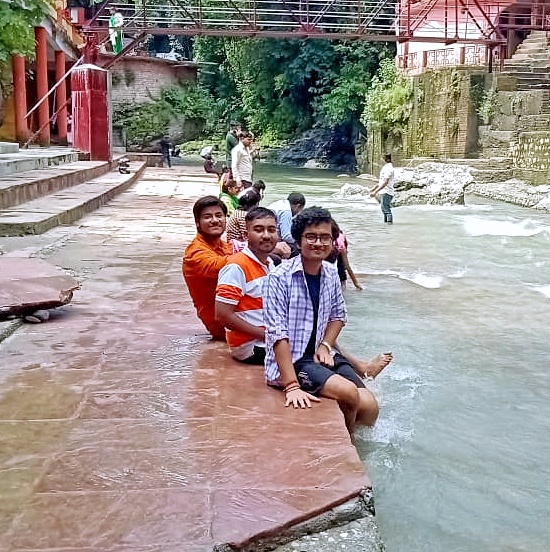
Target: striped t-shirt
240,283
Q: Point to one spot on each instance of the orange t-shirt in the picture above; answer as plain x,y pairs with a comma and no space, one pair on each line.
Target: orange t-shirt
202,262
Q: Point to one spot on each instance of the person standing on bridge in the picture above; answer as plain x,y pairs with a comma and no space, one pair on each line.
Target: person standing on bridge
116,22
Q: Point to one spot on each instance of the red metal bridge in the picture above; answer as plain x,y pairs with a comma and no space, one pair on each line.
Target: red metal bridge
462,21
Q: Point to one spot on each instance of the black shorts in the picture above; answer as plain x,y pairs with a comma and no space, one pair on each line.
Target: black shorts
312,376
258,356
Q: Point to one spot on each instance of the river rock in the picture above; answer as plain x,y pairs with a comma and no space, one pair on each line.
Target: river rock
327,148
428,183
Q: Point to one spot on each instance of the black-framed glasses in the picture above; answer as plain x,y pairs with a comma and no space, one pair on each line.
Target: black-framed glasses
325,239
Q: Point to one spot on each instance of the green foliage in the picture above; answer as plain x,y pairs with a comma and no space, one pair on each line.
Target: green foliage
279,88
17,21
389,101
145,121
487,106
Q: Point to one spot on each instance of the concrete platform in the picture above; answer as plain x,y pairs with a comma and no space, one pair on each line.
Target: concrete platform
123,428
65,206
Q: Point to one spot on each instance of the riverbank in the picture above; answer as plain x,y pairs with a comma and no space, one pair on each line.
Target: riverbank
124,427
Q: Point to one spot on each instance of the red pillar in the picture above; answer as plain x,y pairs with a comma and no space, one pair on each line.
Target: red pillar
41,37
61,96
20,97
91,112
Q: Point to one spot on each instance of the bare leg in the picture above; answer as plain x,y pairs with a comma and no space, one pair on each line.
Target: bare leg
347,395
369,368
367,413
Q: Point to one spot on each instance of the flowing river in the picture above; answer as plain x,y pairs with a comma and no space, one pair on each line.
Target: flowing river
460,456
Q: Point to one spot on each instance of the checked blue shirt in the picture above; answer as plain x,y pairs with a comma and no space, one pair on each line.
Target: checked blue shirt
288,311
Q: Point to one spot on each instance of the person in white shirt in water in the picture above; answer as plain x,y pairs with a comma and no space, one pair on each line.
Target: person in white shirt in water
385,188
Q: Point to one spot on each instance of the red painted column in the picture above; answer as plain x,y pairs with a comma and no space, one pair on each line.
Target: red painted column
91,112
20,97
41,37
61,97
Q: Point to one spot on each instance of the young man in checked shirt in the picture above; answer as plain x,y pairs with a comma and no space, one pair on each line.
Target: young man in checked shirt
304,312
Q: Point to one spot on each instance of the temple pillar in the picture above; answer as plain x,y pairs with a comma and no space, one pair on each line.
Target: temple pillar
42,88
20,97
91,112
61,97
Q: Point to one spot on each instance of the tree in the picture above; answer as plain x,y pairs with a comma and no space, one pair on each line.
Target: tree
17,21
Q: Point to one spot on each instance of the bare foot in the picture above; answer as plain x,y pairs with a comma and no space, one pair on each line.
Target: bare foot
371,368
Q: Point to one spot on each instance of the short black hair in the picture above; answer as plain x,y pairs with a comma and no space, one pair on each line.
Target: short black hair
296,198
248,199
205,202
387,157
258,213
246,134
234,124
309,217
258,184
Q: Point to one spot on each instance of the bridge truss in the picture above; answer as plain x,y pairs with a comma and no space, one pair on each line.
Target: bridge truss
373,20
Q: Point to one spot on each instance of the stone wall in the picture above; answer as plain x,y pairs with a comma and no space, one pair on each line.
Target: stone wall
442,124
138,79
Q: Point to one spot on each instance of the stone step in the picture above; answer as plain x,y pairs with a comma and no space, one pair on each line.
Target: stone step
538,86
534,122
34,159
8,147
66,206
491,175
26,186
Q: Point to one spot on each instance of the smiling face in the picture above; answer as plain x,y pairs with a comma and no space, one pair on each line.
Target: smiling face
316,242
262,236
211,223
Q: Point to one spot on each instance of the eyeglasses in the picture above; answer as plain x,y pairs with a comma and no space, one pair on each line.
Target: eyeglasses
325,239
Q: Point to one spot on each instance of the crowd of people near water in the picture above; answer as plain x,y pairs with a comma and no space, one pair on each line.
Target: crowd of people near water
269,281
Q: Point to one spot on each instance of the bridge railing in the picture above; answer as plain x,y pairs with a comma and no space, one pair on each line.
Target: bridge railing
475,55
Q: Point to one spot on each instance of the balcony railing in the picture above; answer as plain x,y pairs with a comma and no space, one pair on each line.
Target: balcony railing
443,58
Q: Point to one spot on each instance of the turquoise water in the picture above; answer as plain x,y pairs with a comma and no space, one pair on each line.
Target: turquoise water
460,456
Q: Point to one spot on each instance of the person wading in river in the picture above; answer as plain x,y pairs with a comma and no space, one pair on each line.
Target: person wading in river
304,312
385,187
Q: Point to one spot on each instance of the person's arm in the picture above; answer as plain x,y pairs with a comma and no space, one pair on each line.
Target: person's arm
379,187
208,262
282,249
235,156
323,355
225,314
349,270
284,219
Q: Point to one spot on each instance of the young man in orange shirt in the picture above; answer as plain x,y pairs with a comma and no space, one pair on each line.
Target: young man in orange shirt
203,259
239,305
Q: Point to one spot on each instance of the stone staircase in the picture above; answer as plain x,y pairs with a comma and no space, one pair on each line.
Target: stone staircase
520,128
530,64
46,187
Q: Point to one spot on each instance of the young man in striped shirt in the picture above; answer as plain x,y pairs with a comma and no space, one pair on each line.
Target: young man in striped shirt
239,304
304,312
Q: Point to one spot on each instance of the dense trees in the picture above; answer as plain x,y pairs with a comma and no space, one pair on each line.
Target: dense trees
282,87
